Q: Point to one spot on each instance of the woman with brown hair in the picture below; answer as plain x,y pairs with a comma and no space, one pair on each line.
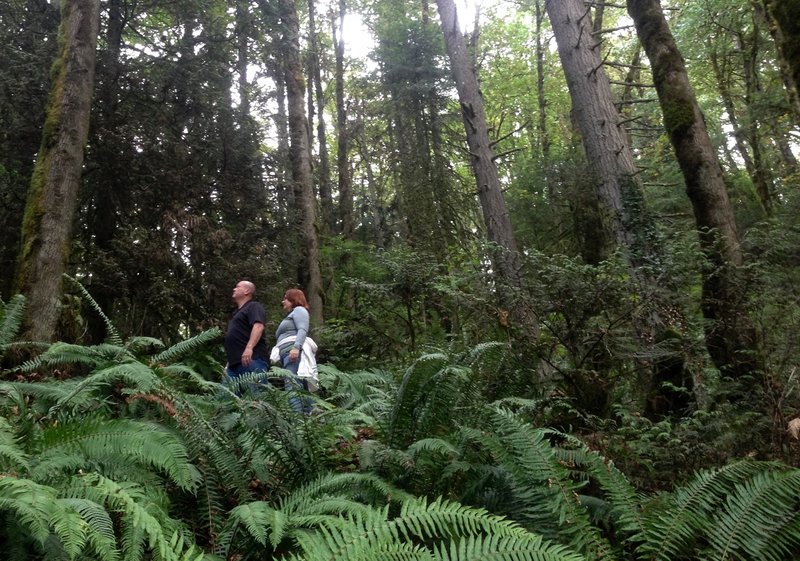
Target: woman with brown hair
295,349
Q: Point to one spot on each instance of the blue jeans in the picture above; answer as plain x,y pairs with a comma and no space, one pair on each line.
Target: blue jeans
256,365
295,384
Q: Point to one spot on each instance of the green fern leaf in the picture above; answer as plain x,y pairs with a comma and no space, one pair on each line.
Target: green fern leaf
11,315
186,347
62,354
12,456
112,333
30,502
527,454
146,444
503,548
100,528
673,524
760,519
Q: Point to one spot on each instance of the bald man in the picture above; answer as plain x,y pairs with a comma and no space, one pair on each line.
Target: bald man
245,345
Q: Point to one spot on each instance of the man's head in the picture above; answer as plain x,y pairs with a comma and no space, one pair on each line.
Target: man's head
243,292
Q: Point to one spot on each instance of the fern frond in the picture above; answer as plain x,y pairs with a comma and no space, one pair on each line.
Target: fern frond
146,444
111,332
186,347
429,393
527,454
674,523
317,547
450,531
760,519
12,455
11,315
356,486
99,527
368,389
45,393
437,445
145,525
136,376
625,502
141,344
220,458
70,529
478,352
261,521
64,354
502,548
30,502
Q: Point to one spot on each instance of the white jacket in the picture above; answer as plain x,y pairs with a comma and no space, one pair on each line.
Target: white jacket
308,358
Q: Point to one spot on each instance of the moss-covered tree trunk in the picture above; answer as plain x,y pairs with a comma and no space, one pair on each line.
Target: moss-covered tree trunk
784,17
310,275
729,334
52,199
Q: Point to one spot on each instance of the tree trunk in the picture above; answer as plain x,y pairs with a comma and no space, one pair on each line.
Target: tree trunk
343,133
495,213
541,101
53,195
310,275
723,86
762,177
624,221
106,186
315,58
730,337
785,29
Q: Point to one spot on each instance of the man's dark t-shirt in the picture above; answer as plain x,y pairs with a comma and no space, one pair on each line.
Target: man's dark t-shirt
238,333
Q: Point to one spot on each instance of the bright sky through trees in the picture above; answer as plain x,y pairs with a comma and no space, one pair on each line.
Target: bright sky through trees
359,41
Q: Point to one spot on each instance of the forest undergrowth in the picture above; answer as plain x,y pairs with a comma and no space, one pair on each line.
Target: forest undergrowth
130,450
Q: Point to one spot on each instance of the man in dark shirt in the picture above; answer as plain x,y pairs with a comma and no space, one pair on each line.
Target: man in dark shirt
245,346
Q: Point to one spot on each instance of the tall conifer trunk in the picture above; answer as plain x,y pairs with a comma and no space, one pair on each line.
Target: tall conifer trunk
309,275
625,224
730,337
315,77
342,131
495,212
52,199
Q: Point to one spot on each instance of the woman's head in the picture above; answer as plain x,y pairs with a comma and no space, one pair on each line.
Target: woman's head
294,297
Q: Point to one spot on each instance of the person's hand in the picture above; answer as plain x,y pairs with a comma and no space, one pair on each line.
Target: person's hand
247,356
294,354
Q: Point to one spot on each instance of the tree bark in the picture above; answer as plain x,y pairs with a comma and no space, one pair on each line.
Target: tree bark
762,176
624,221
785,30
730,337
309,275
495,213
52,199
315,58
541,101
345,184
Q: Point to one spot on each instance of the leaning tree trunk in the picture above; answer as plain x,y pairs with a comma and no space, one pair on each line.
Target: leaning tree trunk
310,274
495,213
785,29
625,224
730,337
53,195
